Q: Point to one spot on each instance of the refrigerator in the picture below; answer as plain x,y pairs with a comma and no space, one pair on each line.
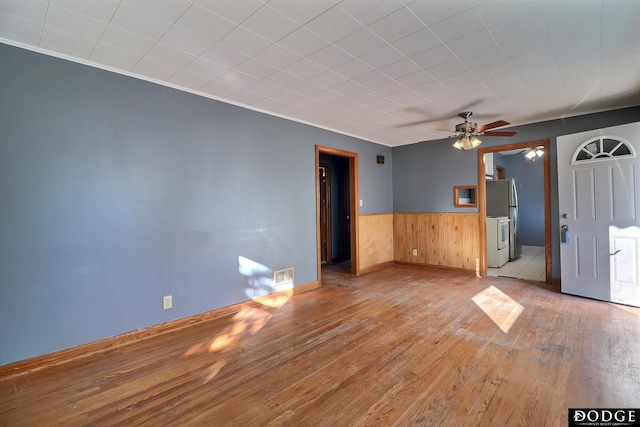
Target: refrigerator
502,200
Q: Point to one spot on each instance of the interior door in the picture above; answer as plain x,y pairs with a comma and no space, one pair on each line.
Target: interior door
324,175
598,181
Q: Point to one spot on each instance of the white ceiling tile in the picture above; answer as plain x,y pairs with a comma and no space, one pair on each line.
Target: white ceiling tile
458,26
361,42
417,42
169,10
264,88
520,45
405,97
185,40
388,88
624,47
416,79
306,88
331,56
305,69
493,69
401,68
16,28
269,104
528,26
188,79
123,39
205,24
328,79
303,42
100,10
370,11
372,79
270,24
235,11
459,79
474,90
495,11
436,56
506,85
383,56
72,22
283,79
245,41
164,53
68,43
139,22
218,88
344,102
348,88
432,11
483,57
256,68
397,25
114,57
224,55
622,31
31,10
333,25
472,43
327,96
278,56
155,69
533,59
236,79
429,89
353,69
301,11
206,68
287,96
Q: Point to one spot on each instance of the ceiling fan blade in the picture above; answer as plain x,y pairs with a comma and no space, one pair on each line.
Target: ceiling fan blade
500,133
493,125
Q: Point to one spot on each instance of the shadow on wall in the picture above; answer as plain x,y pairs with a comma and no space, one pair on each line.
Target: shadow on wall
266,297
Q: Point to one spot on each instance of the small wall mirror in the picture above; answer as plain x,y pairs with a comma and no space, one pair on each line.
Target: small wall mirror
464,196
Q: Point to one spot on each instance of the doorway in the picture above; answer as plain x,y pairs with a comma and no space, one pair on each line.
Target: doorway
520,150
336,209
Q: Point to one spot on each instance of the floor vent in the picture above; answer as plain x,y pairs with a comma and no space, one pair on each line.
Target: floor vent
283,276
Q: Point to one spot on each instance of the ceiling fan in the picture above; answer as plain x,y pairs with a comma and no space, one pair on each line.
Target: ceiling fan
468,132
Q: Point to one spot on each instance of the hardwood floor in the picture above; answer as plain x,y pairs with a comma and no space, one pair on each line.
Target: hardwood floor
402,346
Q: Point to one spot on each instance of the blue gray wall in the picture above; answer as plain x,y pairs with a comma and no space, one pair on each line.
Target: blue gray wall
116,192
424,174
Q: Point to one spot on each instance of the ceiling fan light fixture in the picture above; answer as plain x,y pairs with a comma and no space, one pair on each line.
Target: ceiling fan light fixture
467,142
532,153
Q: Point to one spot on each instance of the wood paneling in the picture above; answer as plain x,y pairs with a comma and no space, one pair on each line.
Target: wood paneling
376,241
398,347
442,239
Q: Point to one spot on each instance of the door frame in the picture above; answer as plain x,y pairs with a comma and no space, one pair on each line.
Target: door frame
353,205
482,209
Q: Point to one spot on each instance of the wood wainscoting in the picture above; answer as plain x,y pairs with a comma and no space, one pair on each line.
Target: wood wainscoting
375,248
449,240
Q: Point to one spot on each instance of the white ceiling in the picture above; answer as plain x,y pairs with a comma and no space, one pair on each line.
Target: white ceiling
365,68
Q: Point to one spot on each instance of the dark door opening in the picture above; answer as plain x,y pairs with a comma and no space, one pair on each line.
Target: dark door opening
335,217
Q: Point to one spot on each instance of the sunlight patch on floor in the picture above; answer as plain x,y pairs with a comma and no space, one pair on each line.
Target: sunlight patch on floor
500,308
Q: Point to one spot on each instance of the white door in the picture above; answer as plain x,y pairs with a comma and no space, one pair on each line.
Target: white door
598,184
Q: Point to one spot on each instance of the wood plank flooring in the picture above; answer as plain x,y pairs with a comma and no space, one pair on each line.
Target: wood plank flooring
403,346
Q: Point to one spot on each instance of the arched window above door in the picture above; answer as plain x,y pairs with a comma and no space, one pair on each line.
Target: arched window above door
602,148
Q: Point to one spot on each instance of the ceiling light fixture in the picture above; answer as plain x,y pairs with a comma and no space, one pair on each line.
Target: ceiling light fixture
467,142
532,153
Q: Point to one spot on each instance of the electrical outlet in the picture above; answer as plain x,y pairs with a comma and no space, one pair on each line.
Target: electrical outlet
415,252
167,302
361,203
